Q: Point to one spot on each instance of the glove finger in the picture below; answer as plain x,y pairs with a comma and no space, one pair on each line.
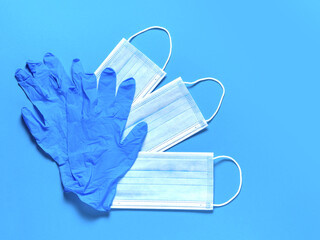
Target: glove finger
22,76
73,106
107,88
43,76
132,144
122,104
33,91
77,73
36,68
86,84
124,98
34,123
89,87
56,68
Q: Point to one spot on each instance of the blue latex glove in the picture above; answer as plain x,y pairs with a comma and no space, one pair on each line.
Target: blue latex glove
92,167
46,85
96,120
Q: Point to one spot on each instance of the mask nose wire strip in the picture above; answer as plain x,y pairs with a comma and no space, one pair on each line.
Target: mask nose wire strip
222,96
160,28
240,183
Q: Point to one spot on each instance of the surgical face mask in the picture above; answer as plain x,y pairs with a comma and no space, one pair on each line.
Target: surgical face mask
127,61
170,180
171,114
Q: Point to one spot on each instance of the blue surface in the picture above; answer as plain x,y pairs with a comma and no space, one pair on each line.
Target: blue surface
267,55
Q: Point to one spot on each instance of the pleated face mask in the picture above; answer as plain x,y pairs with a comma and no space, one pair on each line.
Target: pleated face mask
171,114
170,181
127,61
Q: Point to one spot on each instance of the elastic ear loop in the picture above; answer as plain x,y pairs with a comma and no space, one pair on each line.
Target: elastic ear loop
222,96
240,184
156,27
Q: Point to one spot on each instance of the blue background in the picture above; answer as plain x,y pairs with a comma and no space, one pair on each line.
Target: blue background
267,55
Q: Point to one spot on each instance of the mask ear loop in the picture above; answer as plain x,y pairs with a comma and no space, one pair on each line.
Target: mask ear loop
160,28
240,184
222,96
